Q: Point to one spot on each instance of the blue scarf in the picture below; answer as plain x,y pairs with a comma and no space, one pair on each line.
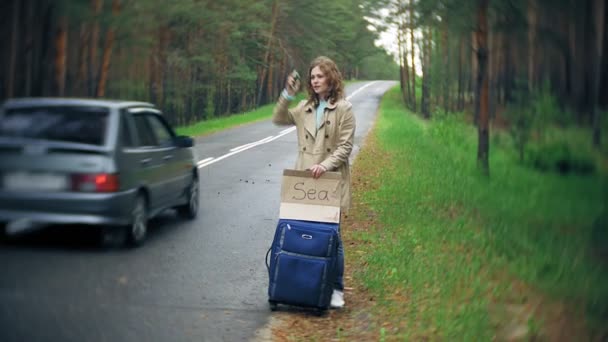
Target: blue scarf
320,111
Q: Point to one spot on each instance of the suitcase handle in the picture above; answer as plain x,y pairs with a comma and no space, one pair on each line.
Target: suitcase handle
266,259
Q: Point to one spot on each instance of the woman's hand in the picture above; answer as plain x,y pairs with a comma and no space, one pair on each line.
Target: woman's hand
317,170
293,85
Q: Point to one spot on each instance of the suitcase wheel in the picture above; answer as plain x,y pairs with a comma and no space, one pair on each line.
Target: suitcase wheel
319,312
273,305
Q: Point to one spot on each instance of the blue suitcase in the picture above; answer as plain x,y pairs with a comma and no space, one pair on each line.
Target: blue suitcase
302,265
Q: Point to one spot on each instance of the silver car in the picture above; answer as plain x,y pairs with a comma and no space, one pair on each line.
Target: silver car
111,164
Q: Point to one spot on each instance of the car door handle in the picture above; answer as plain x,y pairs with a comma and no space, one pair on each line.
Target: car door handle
168,157
145,161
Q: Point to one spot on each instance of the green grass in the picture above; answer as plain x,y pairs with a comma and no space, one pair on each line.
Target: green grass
218,124
449,240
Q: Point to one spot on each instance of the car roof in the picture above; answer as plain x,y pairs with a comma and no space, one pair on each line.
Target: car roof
59,101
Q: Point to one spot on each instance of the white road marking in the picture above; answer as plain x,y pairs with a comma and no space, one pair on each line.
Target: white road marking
238,149
249,145
242,148
358,90
204,160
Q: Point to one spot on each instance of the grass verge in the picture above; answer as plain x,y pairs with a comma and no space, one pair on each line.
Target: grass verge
218,124
436,251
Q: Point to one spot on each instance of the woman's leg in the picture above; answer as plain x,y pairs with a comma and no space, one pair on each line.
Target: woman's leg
337,296
339,284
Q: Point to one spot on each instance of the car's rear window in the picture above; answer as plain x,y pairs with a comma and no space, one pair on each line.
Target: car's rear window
78,124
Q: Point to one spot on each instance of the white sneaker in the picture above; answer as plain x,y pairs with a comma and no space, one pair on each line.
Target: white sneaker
337,299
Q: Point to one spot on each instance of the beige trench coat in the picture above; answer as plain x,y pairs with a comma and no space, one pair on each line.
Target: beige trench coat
330,146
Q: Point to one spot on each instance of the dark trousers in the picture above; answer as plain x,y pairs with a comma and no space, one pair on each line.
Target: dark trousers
339,284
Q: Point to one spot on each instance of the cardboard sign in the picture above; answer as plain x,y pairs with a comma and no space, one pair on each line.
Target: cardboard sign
306,198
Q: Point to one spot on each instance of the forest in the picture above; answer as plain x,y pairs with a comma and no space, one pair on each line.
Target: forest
540,63
194,59
200,59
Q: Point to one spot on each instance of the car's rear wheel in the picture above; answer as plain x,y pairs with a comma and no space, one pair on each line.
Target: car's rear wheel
190,209
3,234
138,228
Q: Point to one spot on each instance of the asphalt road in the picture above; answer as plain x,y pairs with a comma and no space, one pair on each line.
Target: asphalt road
202,280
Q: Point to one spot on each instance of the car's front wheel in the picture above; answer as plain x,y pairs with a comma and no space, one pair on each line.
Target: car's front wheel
190,209
137,230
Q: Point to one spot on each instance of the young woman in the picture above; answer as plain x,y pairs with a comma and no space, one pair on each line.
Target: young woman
325,126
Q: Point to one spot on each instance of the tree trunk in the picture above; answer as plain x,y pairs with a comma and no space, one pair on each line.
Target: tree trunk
482,94
158,66
107,53
155,57
599,21
426,74
153,71
413,58
96,7
446,66
406,76
460,92
10,79
105,63
29,47
81,78
403,66
532,20
61,44
270,77
265,65
43,66
603,100
283,65
494,43
474,75
243,101
401,69
508,70
577,64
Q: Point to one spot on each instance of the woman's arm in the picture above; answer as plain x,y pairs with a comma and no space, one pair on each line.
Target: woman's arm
281,114
345,140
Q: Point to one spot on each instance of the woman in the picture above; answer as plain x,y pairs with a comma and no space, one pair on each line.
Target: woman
325,125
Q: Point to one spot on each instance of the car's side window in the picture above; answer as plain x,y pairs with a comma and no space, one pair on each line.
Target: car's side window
145,133
162,134
126,138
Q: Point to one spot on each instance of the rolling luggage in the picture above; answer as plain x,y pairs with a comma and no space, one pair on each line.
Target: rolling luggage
302,264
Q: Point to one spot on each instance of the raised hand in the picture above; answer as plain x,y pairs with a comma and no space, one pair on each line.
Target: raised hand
293,83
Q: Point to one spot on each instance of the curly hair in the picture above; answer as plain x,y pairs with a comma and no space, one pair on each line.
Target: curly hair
334,80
